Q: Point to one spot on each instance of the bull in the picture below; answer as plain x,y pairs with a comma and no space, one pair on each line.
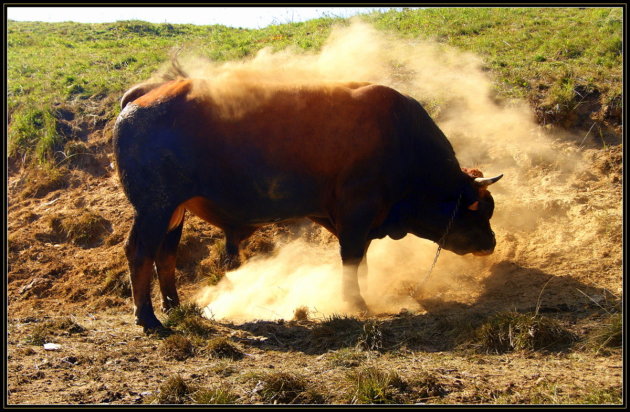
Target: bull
360,159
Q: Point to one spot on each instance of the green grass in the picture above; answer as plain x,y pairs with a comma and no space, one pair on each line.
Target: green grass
375,386
549,56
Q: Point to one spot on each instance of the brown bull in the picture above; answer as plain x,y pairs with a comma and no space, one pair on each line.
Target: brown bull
360,159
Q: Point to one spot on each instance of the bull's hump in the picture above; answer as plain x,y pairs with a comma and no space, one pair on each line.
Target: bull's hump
165,92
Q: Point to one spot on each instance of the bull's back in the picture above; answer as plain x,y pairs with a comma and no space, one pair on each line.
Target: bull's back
284,148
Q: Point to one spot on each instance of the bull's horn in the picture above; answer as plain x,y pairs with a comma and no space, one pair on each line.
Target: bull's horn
486,181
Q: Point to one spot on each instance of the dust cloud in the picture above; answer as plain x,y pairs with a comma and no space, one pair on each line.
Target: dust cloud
537,221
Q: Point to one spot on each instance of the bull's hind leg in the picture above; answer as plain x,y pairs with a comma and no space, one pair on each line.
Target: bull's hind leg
165,261
233,238
141,249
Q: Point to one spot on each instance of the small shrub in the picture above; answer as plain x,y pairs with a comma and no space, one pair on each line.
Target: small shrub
508,331
373,386
177,347
222,348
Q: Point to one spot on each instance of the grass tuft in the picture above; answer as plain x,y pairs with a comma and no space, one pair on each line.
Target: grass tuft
218,396
221,347
117,283
512,331
374,386
287,388
337,331
608,335
174,391
179,314
177,347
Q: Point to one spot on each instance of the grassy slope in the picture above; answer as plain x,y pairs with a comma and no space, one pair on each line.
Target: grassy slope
551,56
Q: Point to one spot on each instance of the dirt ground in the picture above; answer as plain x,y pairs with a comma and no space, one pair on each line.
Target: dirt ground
567,266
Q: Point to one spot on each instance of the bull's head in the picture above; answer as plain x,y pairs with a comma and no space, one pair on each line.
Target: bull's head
460,224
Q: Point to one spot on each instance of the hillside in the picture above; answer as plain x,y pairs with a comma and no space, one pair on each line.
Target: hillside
537,322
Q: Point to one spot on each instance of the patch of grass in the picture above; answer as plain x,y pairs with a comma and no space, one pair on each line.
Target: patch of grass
174,391
84,230
218,396
38,336
117,283
337,331
374,386
601,396
347,357
510,331
45,179
371,337
608,335
42,332
179,314
196,326
221,347
177,347
287,388
67,325
428,386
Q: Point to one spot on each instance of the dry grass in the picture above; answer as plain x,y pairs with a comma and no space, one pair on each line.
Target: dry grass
179,314
607,336
347,357
43,180
174,391
177,347
85,230
217,396
510,331
116,283
337,331
43,332
221,347
287,388
374,386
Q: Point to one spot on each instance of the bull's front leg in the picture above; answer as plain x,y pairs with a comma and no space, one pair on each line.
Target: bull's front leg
350,287
353,242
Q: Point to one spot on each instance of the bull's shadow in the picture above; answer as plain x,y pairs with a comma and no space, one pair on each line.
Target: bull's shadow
510,287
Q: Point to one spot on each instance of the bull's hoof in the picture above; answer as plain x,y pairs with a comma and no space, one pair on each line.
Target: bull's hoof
357,305
150,325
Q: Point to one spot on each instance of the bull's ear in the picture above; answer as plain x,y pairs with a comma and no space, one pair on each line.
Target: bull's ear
474,206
